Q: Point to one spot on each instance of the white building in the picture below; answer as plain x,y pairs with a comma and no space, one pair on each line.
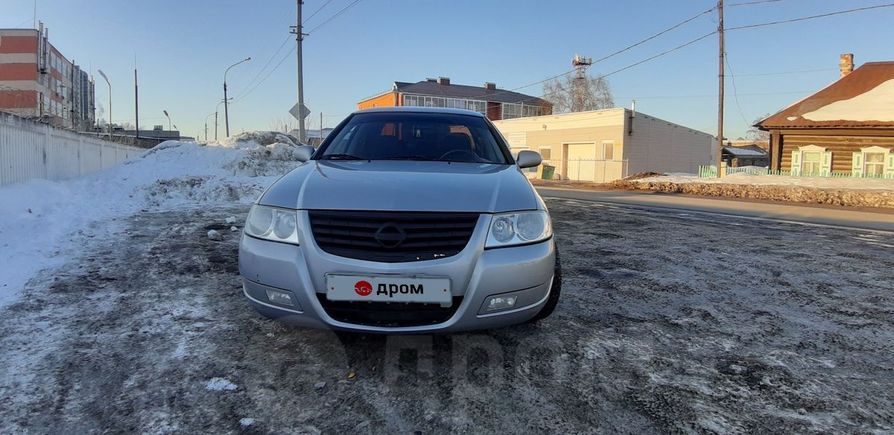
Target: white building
606,145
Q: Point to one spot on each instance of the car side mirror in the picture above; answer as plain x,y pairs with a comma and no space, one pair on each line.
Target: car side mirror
528,159
303,153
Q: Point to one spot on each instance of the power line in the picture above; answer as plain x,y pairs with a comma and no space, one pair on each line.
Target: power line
655,35
263,68
755,2
278,64
732,77
334,16
829,14
316,12
747,94
634,45
787,72
660,54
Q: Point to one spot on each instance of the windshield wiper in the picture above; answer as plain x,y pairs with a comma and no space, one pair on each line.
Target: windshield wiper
341,157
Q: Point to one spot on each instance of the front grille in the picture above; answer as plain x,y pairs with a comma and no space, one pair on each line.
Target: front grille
388,314
392,237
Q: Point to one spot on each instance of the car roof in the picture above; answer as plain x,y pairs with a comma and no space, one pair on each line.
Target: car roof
417,109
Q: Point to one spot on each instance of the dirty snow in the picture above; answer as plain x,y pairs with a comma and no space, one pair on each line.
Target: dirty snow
670,322
778,180
42,223
876,104
246,422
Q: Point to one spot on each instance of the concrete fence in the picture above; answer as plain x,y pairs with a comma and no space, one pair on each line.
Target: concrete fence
30,150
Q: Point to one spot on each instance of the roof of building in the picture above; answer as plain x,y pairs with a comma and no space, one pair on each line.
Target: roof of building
862,99
450,90
746,151
421,109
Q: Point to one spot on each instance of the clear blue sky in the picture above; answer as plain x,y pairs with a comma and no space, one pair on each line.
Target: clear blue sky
182,48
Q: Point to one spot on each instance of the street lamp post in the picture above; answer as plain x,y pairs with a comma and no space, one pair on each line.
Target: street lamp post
206,123
169,119
110,101
226,110
216,110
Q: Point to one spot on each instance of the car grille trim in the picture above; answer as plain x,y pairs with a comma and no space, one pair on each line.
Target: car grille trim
427,235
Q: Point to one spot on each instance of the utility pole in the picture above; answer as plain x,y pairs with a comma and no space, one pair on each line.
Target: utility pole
226,112
136,101
722,57
299,37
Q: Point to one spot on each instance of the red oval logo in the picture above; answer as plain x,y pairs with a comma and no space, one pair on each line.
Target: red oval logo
363,288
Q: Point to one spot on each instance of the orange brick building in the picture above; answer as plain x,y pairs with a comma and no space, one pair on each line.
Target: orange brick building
37,81
496,103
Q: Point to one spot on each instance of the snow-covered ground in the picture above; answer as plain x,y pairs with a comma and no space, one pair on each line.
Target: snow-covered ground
779,180
670,321
43,223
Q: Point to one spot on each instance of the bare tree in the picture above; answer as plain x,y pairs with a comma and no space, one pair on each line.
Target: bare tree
757,134
572,94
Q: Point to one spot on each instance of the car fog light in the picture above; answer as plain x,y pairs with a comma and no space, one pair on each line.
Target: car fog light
499,303
281,298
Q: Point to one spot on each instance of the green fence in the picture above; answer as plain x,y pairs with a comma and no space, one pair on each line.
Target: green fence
710,171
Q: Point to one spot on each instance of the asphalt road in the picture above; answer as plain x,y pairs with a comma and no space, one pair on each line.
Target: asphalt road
849,217
670,321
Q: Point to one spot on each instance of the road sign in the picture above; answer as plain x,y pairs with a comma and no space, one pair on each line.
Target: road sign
299,111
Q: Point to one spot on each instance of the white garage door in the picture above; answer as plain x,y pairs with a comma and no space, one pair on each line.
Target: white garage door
580,161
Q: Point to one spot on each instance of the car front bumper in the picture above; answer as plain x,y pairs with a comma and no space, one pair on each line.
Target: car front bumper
475,273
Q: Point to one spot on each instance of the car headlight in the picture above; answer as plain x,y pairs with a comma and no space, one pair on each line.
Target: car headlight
520,228
272,223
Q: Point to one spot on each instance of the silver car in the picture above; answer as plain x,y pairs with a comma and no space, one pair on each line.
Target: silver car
405,220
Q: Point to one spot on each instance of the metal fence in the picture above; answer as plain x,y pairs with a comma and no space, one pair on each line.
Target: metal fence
30,150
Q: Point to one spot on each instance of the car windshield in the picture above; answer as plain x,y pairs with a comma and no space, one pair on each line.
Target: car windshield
416,136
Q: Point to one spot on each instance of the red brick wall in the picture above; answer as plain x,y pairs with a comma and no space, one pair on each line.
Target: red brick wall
18,44
18,71
18,99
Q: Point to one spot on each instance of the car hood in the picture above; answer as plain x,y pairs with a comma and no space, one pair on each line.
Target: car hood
403,186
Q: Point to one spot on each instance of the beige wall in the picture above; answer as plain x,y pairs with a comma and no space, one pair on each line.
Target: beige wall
558,132
654,145
660,146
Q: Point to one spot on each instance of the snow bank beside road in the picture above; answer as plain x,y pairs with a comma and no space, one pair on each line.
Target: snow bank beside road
849,192
43,222
778,180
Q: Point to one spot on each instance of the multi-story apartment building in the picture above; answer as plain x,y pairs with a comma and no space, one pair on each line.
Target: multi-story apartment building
494,103
37,81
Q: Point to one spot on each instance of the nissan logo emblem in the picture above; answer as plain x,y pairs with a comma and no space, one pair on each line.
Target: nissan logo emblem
390,235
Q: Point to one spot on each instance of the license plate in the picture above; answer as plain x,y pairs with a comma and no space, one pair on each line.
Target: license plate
388,288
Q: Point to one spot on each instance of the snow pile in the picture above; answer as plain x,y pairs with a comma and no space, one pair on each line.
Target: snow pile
852,192
251,139
43,222
778,180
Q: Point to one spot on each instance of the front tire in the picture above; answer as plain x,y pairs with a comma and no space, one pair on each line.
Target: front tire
554,292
